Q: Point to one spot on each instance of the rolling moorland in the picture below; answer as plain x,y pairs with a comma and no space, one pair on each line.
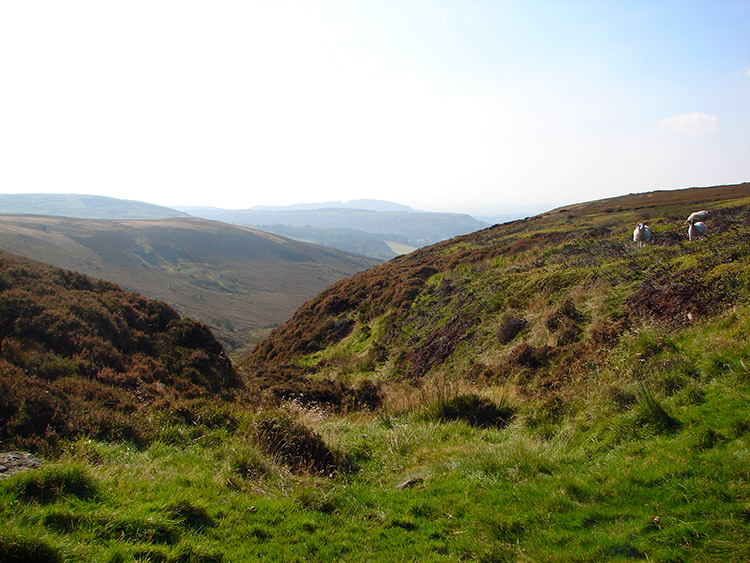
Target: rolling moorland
540,390
374,228
241,282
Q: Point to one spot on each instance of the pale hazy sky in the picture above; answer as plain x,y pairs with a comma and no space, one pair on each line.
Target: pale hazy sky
448,105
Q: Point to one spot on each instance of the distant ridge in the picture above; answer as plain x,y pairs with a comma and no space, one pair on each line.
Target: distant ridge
84,207
378,205
370,227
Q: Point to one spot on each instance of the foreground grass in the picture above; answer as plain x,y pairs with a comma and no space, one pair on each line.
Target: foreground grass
663,476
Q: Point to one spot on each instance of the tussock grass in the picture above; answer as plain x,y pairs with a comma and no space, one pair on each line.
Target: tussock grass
51,483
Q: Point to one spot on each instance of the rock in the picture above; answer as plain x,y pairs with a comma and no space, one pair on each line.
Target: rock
410,483
13,462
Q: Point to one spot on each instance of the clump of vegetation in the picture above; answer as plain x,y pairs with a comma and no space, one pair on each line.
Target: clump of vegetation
566,323
249,464
293,444
510,327
190,515
51,483
19,549
331,393
474,410
650,412
530,356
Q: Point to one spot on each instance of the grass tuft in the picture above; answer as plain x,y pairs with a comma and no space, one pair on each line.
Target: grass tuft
474,410
190,515
650,412
20,549
52,483
293,444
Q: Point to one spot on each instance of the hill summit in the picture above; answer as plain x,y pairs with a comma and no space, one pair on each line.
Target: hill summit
84,206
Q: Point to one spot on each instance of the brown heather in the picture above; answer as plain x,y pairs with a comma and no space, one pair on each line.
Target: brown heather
80,357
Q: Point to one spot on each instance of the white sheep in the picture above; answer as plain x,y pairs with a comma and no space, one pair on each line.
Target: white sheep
696,229
697,216
641,234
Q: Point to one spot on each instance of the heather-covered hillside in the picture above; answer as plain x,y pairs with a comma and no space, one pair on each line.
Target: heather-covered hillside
532,301
82,357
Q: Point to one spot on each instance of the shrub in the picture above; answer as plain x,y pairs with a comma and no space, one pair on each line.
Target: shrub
80,357
565,322
204,413
510,327
530,356
474,410
366,395
293,444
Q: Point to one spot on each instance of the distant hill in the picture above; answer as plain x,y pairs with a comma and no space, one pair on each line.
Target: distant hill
348,240
240,281
362,204
381,224
82,357
84,206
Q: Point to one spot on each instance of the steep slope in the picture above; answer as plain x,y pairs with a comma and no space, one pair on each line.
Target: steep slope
84,206
240,281
82,357
532,301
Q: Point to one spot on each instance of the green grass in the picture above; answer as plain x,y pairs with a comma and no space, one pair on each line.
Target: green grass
603,482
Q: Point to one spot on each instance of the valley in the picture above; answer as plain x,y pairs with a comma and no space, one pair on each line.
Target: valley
539,390
240,281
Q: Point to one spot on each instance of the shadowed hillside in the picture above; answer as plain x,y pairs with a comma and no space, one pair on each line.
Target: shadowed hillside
240,281
82,357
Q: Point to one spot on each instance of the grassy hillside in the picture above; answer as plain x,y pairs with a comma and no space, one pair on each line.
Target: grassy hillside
240,281
83,206
557,284
537,391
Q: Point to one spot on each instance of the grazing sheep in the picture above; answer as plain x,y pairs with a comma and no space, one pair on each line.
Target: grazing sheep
696,229
641,234
697,216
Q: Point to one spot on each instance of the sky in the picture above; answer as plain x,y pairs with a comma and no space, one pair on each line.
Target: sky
475,106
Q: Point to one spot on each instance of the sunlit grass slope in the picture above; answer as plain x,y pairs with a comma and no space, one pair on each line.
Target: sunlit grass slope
653,464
